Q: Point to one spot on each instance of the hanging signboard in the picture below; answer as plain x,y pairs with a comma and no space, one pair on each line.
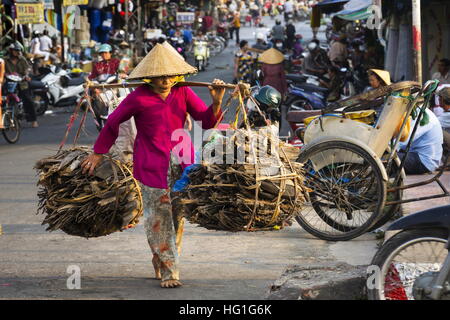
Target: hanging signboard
75,2
29,13
186,17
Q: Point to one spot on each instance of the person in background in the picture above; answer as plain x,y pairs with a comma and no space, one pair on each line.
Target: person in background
16,63
426,149
243,62
315,20
334,85
260,42
338,51
273,71
236,23
378,78
2,78
444,118
297,48
443,74
46,42
317,62
35,46
278,31
108,64
290,34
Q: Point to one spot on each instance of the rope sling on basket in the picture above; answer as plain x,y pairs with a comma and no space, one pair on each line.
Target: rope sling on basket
84,205
263,192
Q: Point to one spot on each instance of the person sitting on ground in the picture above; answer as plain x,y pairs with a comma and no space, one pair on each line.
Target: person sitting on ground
426,149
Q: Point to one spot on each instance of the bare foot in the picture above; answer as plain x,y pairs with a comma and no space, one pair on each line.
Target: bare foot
171,284
158,274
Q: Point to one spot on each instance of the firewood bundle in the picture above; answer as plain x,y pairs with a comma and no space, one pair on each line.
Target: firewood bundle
262,192
84,205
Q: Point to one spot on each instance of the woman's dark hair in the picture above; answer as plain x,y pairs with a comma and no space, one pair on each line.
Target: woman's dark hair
445,62
243,43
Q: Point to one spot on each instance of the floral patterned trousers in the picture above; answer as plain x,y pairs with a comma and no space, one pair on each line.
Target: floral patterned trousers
164,226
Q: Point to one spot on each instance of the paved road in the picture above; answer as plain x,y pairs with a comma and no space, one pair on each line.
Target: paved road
214,265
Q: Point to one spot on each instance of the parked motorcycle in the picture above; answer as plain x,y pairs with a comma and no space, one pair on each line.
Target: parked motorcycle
63,88
414,263
12,108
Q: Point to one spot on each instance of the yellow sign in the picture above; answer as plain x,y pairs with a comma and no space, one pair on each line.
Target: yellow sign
30,13
74,2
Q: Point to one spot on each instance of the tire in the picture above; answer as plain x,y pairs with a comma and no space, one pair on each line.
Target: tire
347,197
398,246
12,130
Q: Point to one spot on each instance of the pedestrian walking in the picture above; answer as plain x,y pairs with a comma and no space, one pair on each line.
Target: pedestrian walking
159,109
243,63
273,71
236,26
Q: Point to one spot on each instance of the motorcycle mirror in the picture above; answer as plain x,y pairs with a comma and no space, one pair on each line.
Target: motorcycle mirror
343,69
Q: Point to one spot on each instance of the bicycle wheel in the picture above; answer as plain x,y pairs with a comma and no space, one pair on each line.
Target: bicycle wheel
403,259
347,190
389,211
12,128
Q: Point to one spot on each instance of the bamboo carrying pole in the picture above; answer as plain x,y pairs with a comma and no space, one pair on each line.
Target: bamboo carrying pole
179,84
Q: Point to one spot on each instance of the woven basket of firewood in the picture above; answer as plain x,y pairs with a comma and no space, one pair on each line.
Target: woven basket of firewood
84,205
256,186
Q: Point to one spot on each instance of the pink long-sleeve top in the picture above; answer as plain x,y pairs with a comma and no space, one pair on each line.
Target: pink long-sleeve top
156,119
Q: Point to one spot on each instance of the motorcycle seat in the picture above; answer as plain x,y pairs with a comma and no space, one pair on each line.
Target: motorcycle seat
36,84
311,88
68,81
296,78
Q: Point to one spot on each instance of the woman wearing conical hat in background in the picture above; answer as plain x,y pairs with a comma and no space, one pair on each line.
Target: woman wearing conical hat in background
379,78
159,110
273,70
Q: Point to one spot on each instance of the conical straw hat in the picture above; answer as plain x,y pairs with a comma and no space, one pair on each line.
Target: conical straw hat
170,47
161,61
383,74
271,56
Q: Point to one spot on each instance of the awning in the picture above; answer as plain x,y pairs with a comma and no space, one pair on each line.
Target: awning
331,2
330,6
355,10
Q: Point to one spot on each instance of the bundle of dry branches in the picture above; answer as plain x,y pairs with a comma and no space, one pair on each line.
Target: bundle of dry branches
84,205
263,192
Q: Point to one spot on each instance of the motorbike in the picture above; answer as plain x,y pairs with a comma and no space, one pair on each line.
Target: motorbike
12,108
415,262
222,31
178,44
99,106
201,54
63,88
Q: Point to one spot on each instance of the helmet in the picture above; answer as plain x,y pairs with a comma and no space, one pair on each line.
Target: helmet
277,21
268,96
312,46
105,48
15,46
298,36
36,33
260,36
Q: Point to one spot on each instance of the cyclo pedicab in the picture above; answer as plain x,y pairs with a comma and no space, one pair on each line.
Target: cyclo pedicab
354,175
